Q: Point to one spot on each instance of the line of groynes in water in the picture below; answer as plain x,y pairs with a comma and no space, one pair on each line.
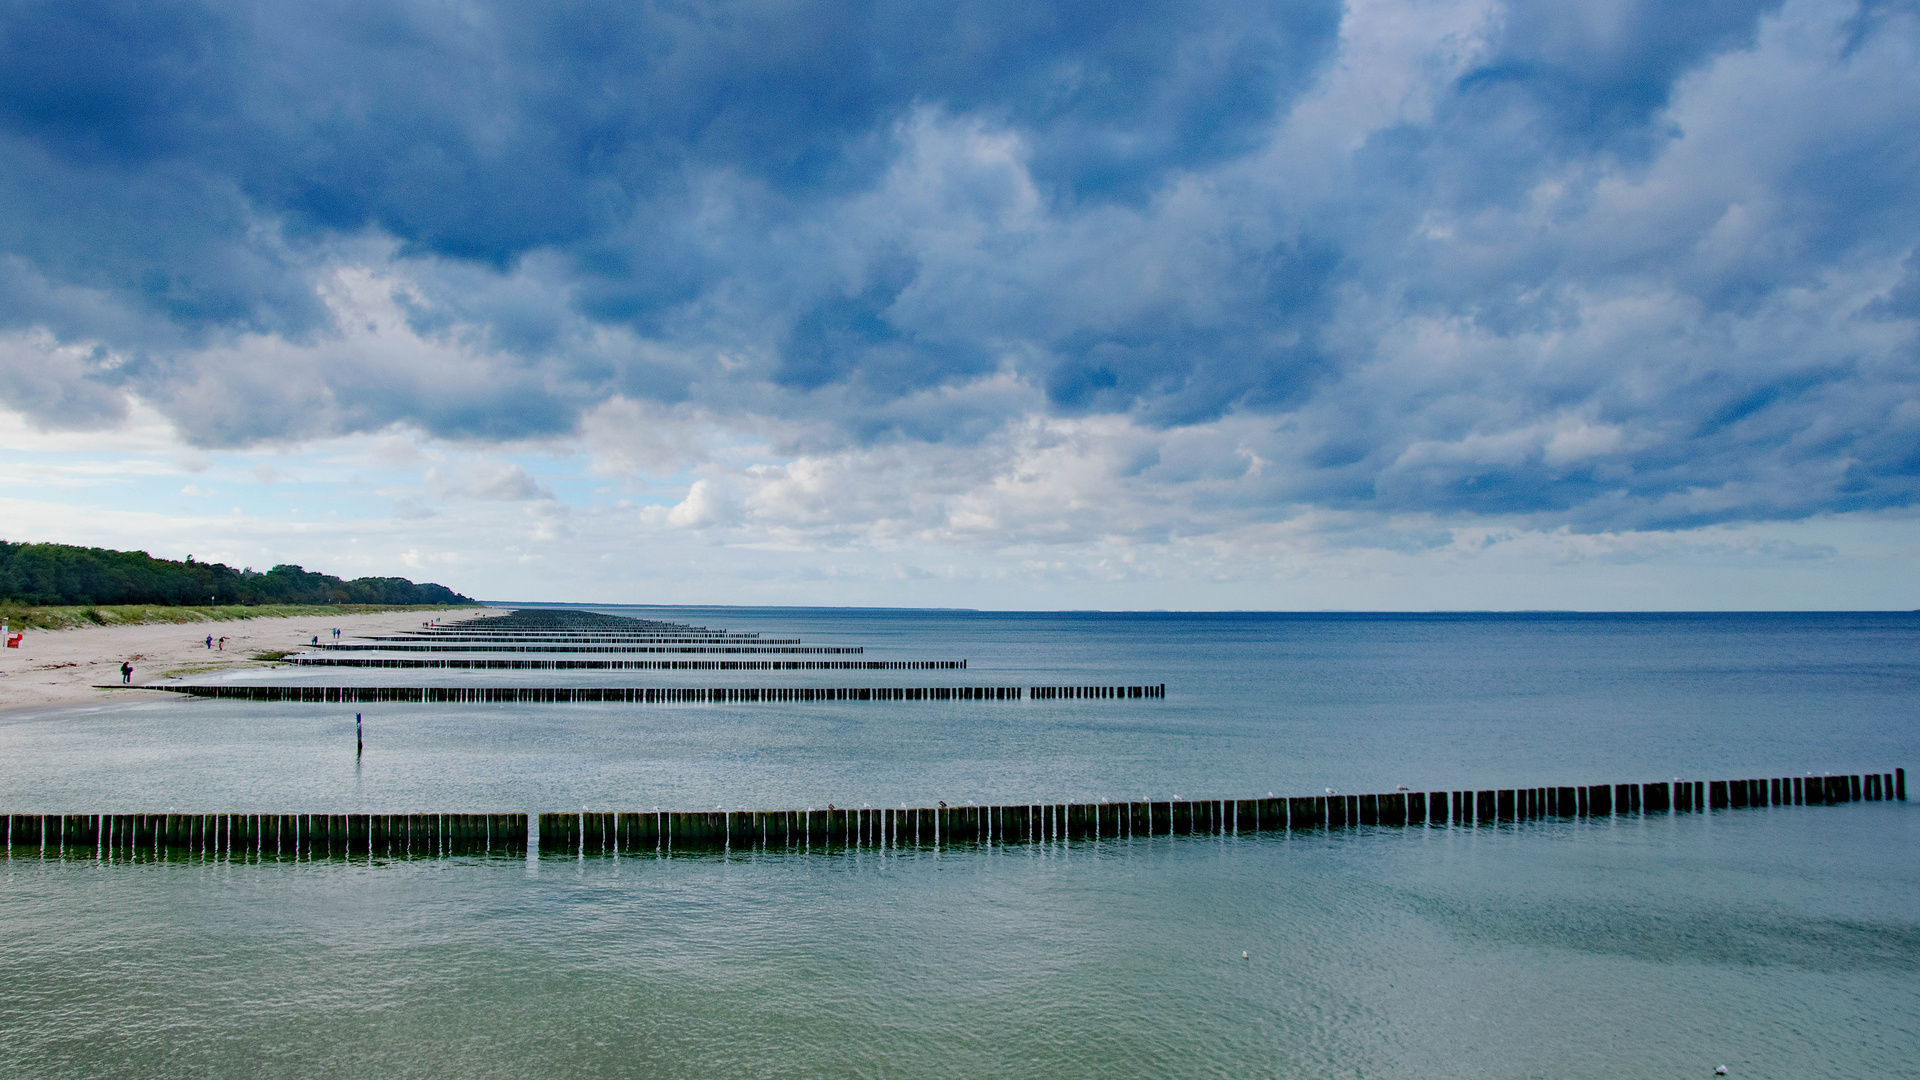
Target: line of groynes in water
658,831
571,638
822,650
653,695
581,638
629,665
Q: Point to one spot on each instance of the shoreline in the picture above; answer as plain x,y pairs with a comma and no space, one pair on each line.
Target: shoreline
58,669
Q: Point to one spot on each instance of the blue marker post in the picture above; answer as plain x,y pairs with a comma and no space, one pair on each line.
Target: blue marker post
359,742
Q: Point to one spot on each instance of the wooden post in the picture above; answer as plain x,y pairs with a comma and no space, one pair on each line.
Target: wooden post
1600,800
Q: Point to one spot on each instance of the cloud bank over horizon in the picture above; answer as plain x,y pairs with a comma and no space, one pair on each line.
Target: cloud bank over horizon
1401,275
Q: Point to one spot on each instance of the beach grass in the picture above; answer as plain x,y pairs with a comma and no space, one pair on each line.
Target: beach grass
36,617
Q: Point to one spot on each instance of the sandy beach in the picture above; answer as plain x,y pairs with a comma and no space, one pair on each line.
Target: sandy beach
60,668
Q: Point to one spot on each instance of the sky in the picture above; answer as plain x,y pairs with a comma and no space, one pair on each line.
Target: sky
1397,304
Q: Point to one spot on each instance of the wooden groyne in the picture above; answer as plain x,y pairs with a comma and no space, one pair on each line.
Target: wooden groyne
590,832
668,831
582,638
274,835
628,665
641,695
818,650
1049,693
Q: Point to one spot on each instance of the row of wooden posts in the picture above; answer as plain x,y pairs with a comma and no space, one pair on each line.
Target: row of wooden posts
629,665
824,650
591,832
431,637
678,637
1048,693
287,835
651,695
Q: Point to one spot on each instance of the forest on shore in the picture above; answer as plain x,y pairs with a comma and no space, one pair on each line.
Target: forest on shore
62,574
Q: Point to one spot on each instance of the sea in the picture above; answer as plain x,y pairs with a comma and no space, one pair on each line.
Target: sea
1777,942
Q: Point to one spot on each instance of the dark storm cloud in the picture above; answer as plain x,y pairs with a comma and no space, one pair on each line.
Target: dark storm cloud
1614,272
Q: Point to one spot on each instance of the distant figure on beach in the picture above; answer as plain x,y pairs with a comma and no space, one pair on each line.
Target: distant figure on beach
336,633
209,641
223,643
126,672
316,639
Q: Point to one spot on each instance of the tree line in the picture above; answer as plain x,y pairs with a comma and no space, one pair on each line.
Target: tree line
62,574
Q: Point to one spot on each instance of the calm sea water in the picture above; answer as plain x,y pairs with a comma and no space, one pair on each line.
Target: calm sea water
1779,942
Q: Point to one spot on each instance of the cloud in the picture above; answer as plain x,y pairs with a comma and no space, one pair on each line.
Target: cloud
58,384
493,481
706,504
896,274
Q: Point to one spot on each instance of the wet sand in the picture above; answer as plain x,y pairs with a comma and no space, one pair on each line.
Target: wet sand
60,668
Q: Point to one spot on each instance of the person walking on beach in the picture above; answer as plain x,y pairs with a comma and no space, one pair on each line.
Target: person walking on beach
223,643
209,641
126,672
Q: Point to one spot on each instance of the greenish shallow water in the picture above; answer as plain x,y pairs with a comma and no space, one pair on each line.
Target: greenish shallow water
1656,947
1780,942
